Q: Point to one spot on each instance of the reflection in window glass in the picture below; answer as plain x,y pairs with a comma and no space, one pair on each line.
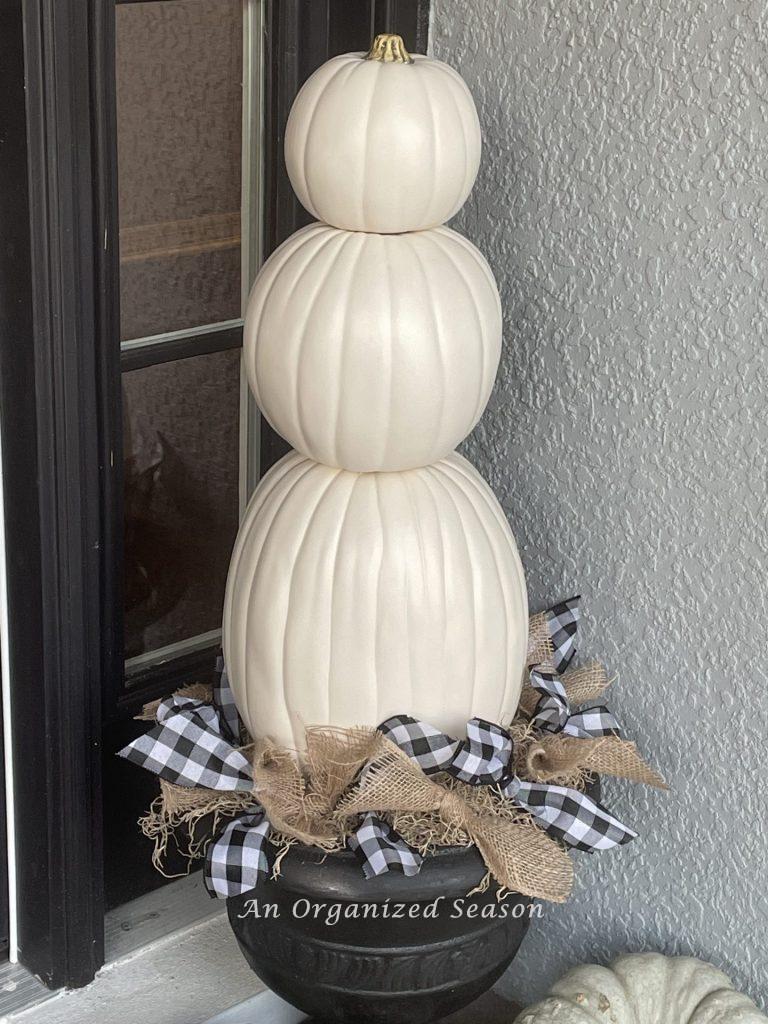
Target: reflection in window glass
181,496
179,104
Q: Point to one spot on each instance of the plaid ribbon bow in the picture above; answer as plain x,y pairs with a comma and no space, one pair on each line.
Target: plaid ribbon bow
553,711
484,759
480,761
195,744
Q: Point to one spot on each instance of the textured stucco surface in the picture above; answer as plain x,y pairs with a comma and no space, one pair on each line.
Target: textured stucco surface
622,201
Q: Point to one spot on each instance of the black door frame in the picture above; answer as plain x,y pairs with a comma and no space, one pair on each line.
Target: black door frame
57,432
61,423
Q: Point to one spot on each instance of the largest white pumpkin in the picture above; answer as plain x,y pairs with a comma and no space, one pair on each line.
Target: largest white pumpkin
383,145
352,597
373,352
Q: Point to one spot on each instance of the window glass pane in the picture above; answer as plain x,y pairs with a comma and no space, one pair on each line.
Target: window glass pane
179,104
181,423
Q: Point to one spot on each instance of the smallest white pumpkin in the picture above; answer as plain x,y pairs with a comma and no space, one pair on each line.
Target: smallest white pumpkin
383,142
644,988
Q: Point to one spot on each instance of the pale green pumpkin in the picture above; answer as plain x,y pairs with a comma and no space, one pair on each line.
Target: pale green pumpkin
644,988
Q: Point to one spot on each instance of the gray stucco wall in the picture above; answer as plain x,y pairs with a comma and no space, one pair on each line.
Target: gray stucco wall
623,204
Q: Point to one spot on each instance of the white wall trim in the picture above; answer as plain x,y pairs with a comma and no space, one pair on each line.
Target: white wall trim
5,668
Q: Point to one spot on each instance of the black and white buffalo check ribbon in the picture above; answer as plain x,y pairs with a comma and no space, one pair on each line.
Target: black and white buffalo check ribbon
224,701
569,815
239,857
562,623
191,745
196,744
553,711
479,761
484,759
380,848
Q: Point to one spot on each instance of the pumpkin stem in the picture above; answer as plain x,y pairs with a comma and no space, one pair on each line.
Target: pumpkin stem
390,49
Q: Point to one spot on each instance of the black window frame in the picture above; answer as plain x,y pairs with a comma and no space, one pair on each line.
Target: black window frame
62,427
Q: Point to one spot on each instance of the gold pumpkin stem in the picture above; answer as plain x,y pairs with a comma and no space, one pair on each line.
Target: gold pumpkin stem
389,49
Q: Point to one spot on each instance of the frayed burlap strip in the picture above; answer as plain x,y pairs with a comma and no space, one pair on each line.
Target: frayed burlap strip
586,683
294,808
567,760
518,854
334,757
540,648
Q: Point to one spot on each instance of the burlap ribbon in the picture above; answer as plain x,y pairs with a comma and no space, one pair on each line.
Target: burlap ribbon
301,798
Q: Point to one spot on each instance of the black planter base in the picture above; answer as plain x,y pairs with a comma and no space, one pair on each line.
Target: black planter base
490,1008
391,949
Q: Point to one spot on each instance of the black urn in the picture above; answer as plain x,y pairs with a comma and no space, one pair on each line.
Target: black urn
399,950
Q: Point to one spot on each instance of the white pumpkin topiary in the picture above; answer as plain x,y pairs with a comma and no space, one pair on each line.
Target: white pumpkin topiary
373,352
375,573
383,142
644,988
353,597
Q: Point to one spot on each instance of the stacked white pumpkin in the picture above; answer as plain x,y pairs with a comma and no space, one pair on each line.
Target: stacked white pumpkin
375,572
